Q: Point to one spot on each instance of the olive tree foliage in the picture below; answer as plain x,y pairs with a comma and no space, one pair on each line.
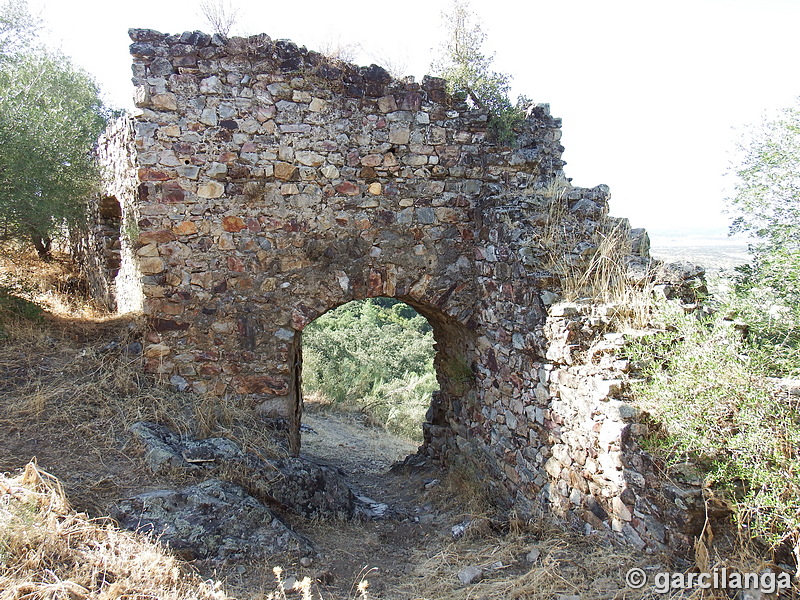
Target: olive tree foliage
17,28
469,71
51,116
766,205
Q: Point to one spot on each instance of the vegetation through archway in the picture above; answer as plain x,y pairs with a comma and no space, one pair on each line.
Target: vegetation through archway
375,356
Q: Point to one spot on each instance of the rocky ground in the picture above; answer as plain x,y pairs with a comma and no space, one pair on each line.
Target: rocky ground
70,389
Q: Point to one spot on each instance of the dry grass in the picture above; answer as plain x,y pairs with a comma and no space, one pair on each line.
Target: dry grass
566,565
590,264
55,285
599,272
69,391
462,487
70,402
49,552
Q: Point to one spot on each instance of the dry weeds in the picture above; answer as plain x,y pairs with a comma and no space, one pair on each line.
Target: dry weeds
72,384
55,285
50,552
567,565
588,264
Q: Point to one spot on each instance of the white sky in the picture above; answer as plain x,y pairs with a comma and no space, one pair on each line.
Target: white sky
649,92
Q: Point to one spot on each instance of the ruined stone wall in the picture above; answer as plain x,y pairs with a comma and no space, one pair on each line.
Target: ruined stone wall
599,474
109,244
272,185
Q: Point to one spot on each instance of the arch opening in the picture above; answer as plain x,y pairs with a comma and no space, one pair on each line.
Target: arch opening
370,363
402,368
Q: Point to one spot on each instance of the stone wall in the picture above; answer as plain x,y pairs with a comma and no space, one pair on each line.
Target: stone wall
109,244
272,184
599,473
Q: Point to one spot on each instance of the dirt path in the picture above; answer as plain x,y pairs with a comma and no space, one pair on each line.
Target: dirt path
384,550
345,440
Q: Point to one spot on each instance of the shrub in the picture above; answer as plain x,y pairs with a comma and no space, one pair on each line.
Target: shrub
707,382
766,205
470,73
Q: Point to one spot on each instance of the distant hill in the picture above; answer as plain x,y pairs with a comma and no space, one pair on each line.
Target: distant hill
711,247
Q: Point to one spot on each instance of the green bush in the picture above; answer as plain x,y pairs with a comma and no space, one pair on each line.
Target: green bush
375,355
706,380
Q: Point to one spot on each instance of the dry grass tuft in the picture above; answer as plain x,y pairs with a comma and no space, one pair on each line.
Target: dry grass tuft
589,261
49,552
463,487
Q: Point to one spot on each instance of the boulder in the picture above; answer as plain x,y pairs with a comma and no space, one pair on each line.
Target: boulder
311,490
215,520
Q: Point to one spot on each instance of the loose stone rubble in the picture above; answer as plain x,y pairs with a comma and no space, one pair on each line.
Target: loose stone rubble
261,185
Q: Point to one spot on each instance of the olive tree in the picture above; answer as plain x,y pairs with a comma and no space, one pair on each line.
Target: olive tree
51,116
766,204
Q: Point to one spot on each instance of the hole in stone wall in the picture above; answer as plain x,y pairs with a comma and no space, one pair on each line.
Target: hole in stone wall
368,378
110,212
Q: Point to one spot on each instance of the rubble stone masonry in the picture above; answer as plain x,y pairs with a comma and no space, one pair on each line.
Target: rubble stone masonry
267,184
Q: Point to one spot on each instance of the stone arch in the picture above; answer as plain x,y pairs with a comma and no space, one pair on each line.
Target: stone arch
455,358
267,184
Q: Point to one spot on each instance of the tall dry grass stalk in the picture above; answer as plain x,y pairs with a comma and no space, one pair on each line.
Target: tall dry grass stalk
598,271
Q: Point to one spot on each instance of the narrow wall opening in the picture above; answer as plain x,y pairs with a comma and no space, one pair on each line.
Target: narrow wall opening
110,213
368,377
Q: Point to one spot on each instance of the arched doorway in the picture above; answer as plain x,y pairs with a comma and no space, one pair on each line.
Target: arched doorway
415,376
371,361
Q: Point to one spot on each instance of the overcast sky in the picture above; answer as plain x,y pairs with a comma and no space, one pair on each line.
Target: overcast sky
650,92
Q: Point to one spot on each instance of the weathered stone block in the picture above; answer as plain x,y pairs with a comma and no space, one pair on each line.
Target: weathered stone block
151,265
167,101
285,171
211,189
233,224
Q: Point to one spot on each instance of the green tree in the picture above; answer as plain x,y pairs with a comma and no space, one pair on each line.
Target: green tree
766,205
51,115
376,355
469,71
17,28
